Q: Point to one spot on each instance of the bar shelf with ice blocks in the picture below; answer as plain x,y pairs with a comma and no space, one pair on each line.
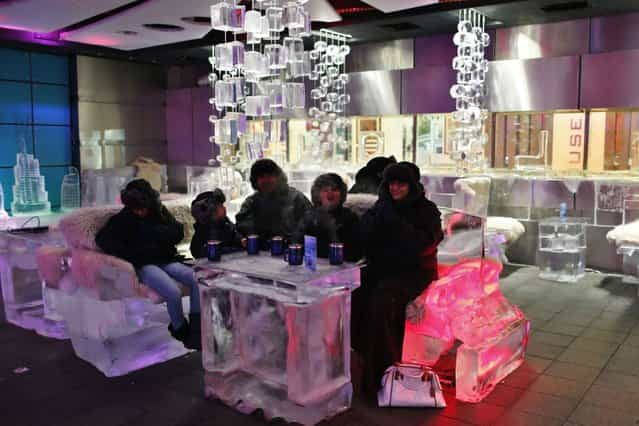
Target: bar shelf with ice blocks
466,305
23,293
562,248
277,337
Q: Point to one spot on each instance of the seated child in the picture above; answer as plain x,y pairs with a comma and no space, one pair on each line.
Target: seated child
211,223
329,221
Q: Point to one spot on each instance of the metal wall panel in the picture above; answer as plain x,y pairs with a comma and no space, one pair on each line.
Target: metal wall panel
383,56
427,90
533,84
566,38
375,93
617,32
127,97
609,80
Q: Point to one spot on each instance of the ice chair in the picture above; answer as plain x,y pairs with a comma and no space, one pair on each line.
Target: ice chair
626,237
114,321
22,286
472,196
466,305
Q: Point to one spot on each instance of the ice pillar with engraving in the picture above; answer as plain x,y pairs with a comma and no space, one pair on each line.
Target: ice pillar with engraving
277,337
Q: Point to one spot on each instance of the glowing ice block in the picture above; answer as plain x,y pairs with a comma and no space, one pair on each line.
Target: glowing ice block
277,337
466,304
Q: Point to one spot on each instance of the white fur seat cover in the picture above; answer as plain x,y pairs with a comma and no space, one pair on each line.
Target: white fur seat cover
509,227
359,203
627,234
79,229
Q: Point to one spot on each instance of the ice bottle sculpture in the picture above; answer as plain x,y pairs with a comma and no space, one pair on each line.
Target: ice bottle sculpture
70,190
29,193
467,305
3,212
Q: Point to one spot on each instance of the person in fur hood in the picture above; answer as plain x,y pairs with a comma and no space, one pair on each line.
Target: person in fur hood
145,233
211,223
329,221
275,209
369,177
400,234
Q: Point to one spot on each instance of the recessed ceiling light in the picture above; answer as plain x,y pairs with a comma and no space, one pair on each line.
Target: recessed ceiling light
197,20
128,32
163,27
496,23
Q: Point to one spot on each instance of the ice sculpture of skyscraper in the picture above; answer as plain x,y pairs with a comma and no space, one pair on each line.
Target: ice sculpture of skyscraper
29,194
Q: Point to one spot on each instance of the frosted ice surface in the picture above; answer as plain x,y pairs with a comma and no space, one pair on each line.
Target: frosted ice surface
117,336
277,337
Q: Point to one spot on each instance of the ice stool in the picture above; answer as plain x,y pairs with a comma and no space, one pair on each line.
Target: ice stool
626,239
114,322
467,305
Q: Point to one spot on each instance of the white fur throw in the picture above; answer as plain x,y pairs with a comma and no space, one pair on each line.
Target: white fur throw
627,234
510,228
360,203
81,226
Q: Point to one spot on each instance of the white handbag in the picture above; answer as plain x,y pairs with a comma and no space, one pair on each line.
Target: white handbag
410,385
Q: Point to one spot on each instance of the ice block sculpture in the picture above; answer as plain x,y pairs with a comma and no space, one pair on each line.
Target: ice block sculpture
29,194
467,305
70,190
276,337
113,321
562,248
22,287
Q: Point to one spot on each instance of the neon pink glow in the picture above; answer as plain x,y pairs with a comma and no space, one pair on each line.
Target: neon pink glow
466,304
93,39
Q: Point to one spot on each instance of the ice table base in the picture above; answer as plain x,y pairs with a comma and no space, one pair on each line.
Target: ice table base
247,393
277,337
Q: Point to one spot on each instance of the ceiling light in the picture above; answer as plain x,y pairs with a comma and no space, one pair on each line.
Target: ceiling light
163,27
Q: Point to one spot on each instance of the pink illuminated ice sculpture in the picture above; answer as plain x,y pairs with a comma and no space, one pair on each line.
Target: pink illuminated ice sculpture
466,304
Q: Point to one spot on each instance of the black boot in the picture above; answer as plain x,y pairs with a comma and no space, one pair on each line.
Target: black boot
182,333
194,341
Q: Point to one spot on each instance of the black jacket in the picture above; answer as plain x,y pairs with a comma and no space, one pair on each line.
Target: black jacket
274,214
339,225
141,241
223,231
400,239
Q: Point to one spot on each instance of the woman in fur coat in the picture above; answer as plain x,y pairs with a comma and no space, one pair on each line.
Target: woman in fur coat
400,235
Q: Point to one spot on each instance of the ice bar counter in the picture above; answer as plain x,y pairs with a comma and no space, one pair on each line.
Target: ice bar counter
277,337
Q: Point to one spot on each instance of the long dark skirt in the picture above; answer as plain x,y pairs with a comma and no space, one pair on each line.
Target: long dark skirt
385,323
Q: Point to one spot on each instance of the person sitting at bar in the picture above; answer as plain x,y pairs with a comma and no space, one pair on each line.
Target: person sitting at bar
329,221
275,209
400,234
212,224
369,177
145,233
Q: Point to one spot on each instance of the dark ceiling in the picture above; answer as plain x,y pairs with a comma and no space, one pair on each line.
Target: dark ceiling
367,24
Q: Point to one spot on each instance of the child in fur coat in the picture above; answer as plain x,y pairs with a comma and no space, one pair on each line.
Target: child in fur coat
211,223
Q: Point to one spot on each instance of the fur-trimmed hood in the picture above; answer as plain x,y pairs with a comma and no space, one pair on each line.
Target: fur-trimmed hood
332,180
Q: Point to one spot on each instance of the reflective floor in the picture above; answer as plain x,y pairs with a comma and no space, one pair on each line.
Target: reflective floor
582,369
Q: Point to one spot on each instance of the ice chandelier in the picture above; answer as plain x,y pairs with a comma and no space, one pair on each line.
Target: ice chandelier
257,79
468,137
329,94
